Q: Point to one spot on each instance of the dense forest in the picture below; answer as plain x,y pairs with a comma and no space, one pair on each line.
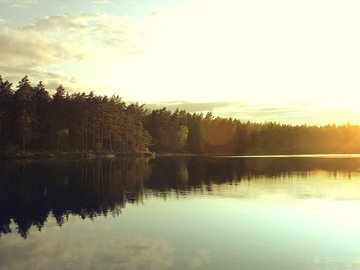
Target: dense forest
33,120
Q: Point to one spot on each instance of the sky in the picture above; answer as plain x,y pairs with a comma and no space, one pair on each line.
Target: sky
285,61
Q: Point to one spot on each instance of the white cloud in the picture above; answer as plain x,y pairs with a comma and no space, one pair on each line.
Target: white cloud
235,50
296,112
206,51
3,21
101,2
52,44
18,3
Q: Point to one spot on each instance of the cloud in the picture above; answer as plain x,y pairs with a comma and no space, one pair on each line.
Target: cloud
65,44
231,50
101,2
294,112
89,32
3,21
14,72
290,112
18,3
190,106
17,48
55,252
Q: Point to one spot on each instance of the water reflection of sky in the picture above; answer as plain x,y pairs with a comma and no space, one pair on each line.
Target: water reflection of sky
262,224
182,214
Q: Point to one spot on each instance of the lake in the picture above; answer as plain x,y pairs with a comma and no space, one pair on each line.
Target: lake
181,213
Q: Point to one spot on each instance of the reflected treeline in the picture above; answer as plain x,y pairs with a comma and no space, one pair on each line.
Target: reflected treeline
30,192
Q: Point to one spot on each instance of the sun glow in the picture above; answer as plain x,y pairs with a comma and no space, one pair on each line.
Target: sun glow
276,53
237,51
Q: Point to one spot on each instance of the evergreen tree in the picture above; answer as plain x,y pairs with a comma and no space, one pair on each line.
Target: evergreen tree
41,120
6,112
24,112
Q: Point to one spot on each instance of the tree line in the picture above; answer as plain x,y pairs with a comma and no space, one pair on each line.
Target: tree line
32,119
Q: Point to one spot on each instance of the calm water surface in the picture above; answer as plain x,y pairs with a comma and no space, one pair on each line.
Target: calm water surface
181,213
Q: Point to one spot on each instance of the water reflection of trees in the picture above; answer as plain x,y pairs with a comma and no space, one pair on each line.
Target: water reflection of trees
30,192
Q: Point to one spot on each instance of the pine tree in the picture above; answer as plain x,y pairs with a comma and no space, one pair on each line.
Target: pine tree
6,113
41,123
24,114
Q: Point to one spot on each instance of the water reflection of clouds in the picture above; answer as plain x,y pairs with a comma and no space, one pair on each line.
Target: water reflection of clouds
339,188
53,252
200,258
337,214
320,263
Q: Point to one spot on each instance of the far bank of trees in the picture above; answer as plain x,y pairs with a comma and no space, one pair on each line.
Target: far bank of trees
32,119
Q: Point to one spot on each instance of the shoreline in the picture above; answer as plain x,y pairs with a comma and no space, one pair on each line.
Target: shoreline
49,155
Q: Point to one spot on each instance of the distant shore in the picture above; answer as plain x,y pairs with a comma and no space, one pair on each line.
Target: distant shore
48,155
70,155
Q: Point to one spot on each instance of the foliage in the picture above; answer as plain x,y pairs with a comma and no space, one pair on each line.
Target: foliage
31,119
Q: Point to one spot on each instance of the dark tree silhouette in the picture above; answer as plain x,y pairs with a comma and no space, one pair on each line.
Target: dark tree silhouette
31,119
